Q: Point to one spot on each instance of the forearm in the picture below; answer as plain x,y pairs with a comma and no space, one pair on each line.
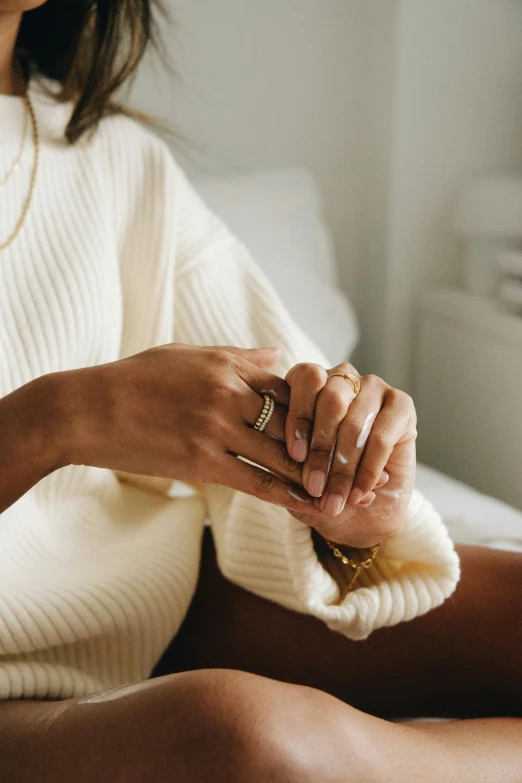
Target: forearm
31,433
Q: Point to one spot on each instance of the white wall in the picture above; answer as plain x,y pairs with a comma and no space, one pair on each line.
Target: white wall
456,114
271,83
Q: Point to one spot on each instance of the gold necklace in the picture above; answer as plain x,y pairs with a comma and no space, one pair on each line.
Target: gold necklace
27,202
19,155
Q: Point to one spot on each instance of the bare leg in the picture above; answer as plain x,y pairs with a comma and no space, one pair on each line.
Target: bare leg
461,660
231,727
218,726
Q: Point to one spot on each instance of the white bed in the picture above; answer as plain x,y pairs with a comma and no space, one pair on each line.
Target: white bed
278,215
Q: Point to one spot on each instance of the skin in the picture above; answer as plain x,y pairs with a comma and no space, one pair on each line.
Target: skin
230,702
265,706
344,478
10,17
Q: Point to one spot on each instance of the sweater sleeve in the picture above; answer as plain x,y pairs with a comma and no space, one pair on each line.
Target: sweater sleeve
222,298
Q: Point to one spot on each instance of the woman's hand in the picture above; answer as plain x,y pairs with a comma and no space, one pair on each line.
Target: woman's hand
185,412
358,453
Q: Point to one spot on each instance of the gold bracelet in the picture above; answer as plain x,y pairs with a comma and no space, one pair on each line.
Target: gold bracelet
362,565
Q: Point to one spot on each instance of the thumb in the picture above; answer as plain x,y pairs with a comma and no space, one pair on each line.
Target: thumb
260,357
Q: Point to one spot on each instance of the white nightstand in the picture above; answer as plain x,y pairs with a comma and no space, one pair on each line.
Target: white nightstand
469,391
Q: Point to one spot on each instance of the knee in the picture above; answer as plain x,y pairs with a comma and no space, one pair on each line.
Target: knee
220,726
241,727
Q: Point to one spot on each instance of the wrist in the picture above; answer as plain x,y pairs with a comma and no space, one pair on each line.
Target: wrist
45,422
68,396
31,438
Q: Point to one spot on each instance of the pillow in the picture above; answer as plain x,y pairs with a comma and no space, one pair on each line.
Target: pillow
278,216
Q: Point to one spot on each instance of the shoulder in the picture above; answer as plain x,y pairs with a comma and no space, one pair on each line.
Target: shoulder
136,174
124,142
145,163
147,186
151,187
118,140
130,137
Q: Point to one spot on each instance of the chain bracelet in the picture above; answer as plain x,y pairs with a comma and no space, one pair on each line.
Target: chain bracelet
359,567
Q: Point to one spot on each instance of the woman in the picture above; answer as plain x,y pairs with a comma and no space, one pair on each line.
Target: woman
116,284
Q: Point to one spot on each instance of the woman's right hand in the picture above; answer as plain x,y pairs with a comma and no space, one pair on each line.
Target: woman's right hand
186,413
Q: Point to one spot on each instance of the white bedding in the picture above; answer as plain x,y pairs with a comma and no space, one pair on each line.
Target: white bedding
471,517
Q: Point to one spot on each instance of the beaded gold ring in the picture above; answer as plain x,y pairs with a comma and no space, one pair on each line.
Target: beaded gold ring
266,413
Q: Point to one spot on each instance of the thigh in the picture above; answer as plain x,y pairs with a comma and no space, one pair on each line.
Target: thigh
217,726
188,728
209,726
462,659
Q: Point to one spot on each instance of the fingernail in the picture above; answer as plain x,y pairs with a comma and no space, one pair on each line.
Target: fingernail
333,505
367,500
385,477
316,483
300,449
298,494
356,495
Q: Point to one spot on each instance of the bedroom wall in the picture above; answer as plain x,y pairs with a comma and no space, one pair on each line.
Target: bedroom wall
275,83
456,114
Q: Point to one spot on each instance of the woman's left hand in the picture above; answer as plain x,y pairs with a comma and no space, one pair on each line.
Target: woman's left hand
358,452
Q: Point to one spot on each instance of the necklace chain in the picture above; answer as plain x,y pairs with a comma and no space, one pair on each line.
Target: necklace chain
27,202
14,166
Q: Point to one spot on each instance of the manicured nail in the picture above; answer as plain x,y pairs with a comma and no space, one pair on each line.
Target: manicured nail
333,505
300,449
298,494
316,483
383,479
367,500
355,496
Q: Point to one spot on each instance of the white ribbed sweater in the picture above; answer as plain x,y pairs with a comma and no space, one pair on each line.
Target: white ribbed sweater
119,254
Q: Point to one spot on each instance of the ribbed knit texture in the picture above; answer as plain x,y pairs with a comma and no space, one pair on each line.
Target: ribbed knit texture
119,254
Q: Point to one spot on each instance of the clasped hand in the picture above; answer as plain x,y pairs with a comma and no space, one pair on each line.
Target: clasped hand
345,465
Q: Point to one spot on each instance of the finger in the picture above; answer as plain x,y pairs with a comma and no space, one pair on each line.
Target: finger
384,478
367,500
267,453
305,382
255,481
264,382
261,357
331,408
351,441
390,427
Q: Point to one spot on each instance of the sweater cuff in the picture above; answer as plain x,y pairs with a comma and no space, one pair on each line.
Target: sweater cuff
268,552
415,571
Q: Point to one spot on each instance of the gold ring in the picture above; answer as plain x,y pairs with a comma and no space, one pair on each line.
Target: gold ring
266,413
352,379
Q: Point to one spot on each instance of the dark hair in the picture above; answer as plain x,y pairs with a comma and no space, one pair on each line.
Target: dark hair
90,47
